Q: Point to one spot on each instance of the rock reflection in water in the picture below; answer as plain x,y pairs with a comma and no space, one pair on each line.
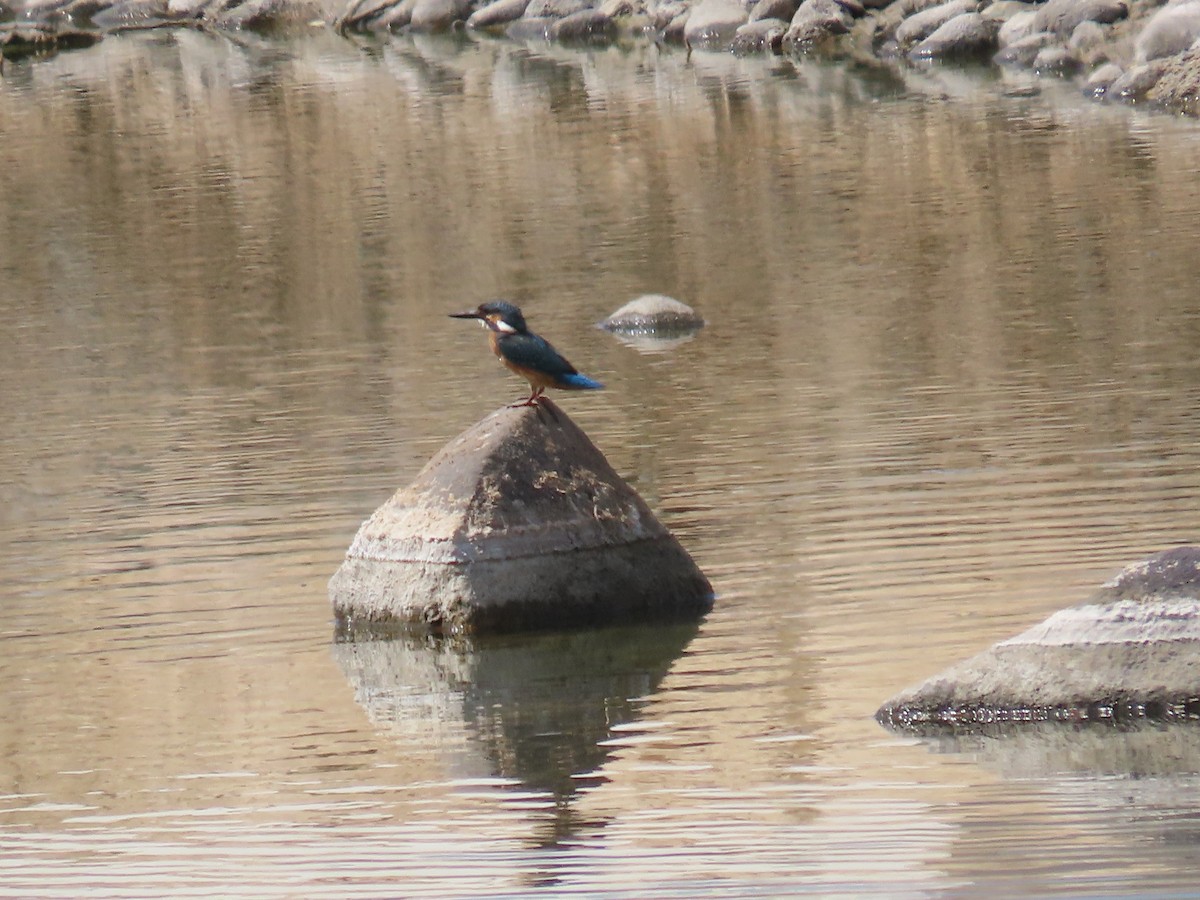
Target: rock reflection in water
539,707
1047,749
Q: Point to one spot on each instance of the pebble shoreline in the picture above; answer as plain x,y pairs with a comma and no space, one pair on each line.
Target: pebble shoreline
1128,51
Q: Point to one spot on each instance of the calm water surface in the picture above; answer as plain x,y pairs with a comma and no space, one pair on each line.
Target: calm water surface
950,384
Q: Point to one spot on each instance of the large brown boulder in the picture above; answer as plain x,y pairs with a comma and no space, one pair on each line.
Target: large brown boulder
518,523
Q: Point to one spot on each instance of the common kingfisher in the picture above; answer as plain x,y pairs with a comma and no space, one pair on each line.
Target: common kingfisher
526,353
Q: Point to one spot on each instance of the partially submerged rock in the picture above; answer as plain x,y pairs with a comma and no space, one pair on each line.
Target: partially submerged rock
654,314
1131,651
713,23
518,523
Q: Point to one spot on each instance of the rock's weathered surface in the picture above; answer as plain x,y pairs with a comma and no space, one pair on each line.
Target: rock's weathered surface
518,523
1133,650
652,314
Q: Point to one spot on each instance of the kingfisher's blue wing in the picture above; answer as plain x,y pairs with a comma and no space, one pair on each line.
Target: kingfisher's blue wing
532,352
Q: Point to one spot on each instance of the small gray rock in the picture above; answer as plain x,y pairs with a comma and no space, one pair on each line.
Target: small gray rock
713,23
358,14
1023,52
1179,86
1089,41
654,314
133,14
589,25
967,35
1171,30
921,25
438,15
814,22
1016,28
1101,80
1135,83
665,12
759,35
773,9
1061,16
1055,60
497,13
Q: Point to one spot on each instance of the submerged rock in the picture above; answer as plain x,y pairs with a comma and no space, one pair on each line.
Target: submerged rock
654,314
518,523
1131,651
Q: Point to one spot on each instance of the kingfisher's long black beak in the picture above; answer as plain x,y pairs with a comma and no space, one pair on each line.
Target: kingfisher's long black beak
469,314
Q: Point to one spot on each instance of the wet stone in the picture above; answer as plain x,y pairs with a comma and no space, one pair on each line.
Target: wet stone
654,314
713,23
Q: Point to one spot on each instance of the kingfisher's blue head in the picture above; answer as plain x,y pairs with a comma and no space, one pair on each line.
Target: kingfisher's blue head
498,315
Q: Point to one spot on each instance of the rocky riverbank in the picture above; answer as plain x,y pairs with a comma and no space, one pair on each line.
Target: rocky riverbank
1119,50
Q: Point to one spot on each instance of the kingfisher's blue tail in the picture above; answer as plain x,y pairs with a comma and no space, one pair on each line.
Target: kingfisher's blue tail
579,382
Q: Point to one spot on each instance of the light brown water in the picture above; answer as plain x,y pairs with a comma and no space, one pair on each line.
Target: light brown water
950,383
